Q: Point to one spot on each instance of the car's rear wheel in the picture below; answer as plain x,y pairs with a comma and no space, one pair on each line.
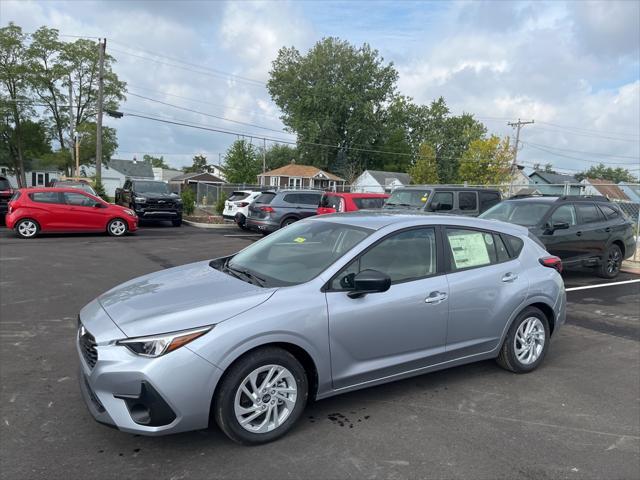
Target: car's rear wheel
288,221
611,262
526,343
241,221
117,227
27,228
261,396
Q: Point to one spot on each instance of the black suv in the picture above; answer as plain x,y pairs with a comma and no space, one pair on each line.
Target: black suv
274,210
151,200
6,192
442,199
582,231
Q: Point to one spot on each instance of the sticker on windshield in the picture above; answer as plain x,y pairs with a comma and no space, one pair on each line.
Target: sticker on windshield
488,238
299,240
469,250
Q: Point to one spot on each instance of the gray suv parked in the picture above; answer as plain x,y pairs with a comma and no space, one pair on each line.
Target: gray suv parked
274,210
443,199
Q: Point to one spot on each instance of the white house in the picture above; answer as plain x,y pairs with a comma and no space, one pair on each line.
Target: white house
376,181
116,171
37,173
613,192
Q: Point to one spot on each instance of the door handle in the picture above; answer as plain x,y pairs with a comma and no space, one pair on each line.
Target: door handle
509,277
436,297
579,234
608,229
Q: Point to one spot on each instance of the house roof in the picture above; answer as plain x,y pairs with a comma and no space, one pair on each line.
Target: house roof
385,178
612,192
197,177
554,178
130,168
304,171
168,174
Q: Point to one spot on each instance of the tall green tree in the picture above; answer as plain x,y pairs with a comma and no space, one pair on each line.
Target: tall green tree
199,165
334,95
425,169
35,142
14,107
242,163
486,162
157,162
602,172
278,155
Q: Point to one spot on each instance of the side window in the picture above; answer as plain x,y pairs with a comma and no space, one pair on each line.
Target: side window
609,212
515,244
291,198
45,197
407,255
444,200
78,199
470,248
502,253
488,200
564,214
467,200
588,213
309,199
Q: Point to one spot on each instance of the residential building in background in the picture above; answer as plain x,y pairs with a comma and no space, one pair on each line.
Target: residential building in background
37,173
555,183
378,181
606,188
300,176
116,171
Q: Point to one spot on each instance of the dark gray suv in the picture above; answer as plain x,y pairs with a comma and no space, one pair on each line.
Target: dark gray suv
467,201
272,211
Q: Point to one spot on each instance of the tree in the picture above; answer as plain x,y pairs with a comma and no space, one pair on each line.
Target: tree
35,142
486,162
547,168
199,165
279,155
334,95
156,162
14,107
241,163
602,172
425,169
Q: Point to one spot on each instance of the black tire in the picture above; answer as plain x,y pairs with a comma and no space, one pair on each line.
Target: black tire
241,221
114,227
611,262
27,228
177,222
288,221
224,401
508,358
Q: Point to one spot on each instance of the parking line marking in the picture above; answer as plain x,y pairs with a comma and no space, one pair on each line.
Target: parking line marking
601,285
241,235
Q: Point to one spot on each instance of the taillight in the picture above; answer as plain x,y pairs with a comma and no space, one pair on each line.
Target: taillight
243,204
267,209
551,262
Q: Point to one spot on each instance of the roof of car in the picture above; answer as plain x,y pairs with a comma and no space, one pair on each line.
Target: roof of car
380,219
446,187
358,195
565,198
54,189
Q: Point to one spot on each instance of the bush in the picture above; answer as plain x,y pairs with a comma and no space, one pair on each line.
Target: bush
188,201
220,203
100,191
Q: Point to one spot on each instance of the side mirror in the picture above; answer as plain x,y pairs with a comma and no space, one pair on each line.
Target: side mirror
434,207
369,281
560,226
98,205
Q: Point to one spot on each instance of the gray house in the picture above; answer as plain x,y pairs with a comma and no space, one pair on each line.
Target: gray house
555,183
377,181
116,171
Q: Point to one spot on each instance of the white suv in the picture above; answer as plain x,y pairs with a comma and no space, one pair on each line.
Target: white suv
236,207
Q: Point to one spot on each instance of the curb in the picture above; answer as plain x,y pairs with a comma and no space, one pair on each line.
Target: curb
205,225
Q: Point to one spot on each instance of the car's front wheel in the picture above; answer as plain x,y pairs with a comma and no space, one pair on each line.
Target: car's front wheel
27,228
611,262
526,343
261,396
117,227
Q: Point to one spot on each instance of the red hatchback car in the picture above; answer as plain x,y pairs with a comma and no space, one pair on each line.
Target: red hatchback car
35,210
333,202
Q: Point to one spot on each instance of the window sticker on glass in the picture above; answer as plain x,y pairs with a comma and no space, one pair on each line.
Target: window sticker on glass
469,249
299,239
424,197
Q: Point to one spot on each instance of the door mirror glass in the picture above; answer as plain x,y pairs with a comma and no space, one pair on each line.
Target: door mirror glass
369,281
435,206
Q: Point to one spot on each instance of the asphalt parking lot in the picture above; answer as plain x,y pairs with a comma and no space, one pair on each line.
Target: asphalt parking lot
578,416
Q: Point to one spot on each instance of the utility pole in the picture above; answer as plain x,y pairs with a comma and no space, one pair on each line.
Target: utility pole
514,165
102,45
72,129
264,160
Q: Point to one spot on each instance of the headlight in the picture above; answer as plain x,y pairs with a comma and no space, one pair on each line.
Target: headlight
158,345
140,199
129,212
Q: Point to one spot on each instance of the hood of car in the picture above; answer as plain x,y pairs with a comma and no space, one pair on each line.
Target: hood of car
180,298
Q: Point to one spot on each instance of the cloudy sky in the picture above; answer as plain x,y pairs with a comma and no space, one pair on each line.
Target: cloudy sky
573,67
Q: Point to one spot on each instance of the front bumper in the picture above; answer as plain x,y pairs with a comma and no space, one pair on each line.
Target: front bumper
177,388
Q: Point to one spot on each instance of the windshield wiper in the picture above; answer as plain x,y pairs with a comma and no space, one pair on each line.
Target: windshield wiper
236,272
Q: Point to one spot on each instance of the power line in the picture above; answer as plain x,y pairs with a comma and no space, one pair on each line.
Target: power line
589,135
582,151
577,158
587,130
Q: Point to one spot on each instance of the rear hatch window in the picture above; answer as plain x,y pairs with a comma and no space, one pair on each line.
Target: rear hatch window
235,196
369,203
330,201
265,198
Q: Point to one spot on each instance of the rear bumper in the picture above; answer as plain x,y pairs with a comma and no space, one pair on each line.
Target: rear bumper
262,226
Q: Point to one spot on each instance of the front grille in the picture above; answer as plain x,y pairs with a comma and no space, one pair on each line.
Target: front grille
87,346
165,205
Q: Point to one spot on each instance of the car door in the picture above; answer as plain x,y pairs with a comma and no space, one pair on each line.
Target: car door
49,210
82,212
592,230
486,285
467,204
403,329
441,202
565,242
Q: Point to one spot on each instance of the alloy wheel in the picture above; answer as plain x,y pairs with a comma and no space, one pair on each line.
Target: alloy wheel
117,228
529,340
27,228
265,398
613,261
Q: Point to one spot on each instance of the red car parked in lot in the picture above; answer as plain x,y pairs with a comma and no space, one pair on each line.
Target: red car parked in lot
35,210
332,202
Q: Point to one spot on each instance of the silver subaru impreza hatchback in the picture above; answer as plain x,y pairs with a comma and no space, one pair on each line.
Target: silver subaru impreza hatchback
325,306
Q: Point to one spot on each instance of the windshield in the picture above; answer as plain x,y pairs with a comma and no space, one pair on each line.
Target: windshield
151,187
297,253
82,186
526,214
408,198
